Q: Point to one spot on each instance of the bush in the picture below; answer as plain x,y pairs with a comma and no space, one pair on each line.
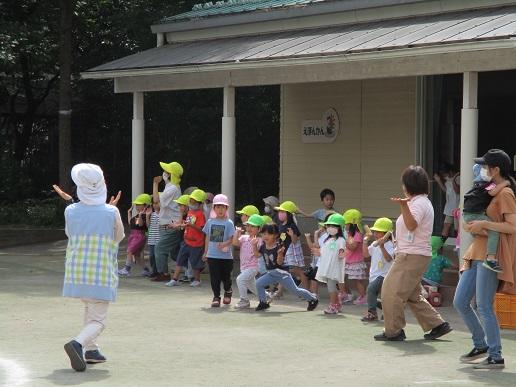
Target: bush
33,212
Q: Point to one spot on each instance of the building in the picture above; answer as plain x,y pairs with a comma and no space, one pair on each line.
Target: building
367,86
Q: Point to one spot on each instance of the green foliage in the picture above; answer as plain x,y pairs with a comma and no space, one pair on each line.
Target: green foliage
36,212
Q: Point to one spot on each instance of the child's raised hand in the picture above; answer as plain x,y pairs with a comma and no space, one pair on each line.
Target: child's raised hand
239,230
281,255
315,251
254,241
148,211
157,179
290,232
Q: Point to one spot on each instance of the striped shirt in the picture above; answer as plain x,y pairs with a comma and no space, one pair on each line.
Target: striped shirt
153,236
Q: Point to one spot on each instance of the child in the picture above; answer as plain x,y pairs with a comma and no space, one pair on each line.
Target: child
434,274
273,252
476,201
247,211
94,230
152,220
381,252
331,263
192,249
327,200
289,235
248,261
218,253
355,268
449,184
137,238
320,236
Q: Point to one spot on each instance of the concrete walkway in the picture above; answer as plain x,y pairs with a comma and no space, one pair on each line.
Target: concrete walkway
159,336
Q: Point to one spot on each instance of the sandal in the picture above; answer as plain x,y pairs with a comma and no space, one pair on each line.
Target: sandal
227,297
370,316
216,302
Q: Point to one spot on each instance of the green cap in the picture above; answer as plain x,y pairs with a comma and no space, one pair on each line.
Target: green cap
437,243
267,219
335,220
249,210
143,199
255,220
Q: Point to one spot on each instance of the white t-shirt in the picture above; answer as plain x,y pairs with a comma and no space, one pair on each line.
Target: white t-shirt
379,266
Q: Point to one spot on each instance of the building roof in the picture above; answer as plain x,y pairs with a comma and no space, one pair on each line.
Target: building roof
227,7
406,34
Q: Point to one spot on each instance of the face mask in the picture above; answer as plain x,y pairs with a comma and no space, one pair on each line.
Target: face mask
282,216
165,176
484,174
267,210
332,230
194,206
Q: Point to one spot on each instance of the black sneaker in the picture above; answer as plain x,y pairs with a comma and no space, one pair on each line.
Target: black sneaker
383,337
474,354
74,351
312,304
94,356
492,265
438,331
262,306
490,364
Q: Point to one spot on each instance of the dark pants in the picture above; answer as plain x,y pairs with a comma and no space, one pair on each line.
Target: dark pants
220,271
152,259
373,289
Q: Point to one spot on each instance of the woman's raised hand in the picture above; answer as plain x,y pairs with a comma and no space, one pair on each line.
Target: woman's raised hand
114,199
61,193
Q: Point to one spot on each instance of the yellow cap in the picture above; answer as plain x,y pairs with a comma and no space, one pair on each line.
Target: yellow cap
267,219
382,225
198,195
143,199
249,210
174,168
183,199
354,216
287,206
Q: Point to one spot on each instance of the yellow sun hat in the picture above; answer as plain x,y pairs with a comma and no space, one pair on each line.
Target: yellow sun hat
198,195
249,210
143,199
183,200
287,206
174,168
382,225
267,219
354,216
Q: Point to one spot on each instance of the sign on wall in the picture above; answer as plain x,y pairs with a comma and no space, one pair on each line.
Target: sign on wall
321,131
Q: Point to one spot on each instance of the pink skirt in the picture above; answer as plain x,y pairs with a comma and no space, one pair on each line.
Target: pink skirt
136,242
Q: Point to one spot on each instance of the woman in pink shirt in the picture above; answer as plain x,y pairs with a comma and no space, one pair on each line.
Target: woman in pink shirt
402,285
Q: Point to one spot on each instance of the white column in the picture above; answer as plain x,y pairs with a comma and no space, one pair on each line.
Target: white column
468,143
138,145
228,147
160,39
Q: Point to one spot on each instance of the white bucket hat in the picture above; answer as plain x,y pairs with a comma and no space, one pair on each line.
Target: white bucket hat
91,187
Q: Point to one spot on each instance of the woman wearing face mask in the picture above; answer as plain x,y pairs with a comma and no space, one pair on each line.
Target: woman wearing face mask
271,202
169,237
402,285
331,261
480,281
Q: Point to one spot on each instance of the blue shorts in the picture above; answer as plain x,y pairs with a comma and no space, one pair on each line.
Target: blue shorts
190,254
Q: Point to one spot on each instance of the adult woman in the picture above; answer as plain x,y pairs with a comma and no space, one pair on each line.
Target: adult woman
476,280
402,285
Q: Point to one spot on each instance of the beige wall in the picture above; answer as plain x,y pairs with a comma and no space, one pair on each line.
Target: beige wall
375,143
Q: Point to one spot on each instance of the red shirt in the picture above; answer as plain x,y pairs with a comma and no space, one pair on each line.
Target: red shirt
193,237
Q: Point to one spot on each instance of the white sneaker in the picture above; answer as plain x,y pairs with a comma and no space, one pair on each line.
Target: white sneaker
242,304
194,284
123,272
172,282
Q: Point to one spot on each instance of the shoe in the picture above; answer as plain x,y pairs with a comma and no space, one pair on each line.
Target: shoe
492,265
438,331
153,275
360,301
475,353
74,351
146,272
339,308
399,337
370,316
345,298
490,364
331,309
184,279
243,304
215,303
172,282
262,306
227,297
195,284
94,356
312,304
268,296
123,272
161,278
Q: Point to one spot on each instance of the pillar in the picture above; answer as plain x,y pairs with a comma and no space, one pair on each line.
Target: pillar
468,143
138,145
228,147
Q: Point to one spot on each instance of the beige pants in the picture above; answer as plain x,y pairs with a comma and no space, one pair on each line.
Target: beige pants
95,314
401,286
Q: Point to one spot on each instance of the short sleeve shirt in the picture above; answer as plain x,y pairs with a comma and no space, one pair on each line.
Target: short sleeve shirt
193,237
355,256
435,268
379,266
416,242
284,236
219,230
247,258
271,257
